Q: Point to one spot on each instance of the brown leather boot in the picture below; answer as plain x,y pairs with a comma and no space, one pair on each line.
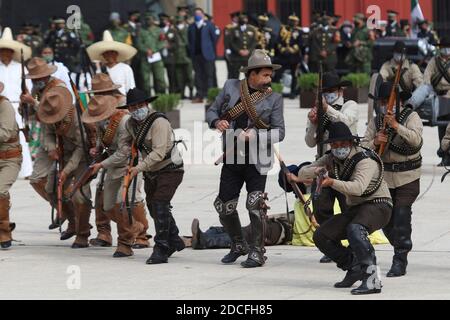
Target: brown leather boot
39,187
103,223
83,213
5,229
127,233
139,214
69,215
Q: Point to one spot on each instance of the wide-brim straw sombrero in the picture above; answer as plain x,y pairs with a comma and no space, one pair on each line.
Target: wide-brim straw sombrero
7,42
96,50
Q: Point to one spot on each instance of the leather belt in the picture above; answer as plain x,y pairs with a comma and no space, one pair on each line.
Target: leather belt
403,166
10,154
387,201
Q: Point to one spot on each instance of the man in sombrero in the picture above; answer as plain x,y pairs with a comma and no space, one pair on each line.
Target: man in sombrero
113,54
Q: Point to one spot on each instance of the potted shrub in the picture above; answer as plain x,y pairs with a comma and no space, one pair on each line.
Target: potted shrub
168,104
360,87
308,83
211,97
277,87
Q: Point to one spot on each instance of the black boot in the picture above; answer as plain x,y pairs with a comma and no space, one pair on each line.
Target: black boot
175,242
401,241
354,274
161,215
325,259
256,258
238,249
358,238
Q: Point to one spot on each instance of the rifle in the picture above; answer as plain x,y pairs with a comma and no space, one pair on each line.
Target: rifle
393,101
86,176
320,178
297,192
320,114
127,182
87,66
24,108
60,165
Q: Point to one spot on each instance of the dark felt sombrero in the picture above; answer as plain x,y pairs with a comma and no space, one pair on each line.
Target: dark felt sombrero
339,131
136,96
385,91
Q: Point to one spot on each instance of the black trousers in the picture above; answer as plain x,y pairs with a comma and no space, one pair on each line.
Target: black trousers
232,179
324,204
204,75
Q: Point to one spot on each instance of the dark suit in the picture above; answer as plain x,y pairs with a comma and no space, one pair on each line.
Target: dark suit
203,53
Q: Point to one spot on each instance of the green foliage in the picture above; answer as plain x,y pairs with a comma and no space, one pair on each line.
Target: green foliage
277,87
212,94
166,102
358,80
308,81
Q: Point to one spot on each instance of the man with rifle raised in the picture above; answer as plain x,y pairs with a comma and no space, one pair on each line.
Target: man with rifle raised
398,131
111,155
162,166
330,107
40,74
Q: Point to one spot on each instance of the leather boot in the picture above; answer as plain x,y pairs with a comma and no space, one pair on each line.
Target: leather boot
213,238
5,228
358,238
161,215
229,219
256,255
39,187
103,223
139,214
69,215
83,213
126,233
401,241
354,274
175,241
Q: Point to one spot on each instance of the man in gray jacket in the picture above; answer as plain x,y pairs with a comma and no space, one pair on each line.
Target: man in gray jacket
250,116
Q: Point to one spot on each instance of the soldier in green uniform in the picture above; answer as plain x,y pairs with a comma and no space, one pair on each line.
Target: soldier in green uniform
323,42
265,36
118,33
184,68
242,42
151,42
133,26
393,29
227,35
171,36
28,36
360,57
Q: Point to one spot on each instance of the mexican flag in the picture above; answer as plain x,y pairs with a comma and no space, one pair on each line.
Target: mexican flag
416,16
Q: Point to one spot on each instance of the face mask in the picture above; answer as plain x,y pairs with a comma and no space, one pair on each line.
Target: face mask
347,30
48,58
397,57
39,85
383,109
341,153
198,18
104,124
331,97
140,114
180,26
445,51
242,22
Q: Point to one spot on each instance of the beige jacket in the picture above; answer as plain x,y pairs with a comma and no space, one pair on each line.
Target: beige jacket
8,126
160,139
348,115
366,173
412,77
430,71
445,143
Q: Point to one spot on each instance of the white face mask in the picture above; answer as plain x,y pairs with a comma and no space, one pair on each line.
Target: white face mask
341,153
140,114
39,85
181,26
331,97
397,57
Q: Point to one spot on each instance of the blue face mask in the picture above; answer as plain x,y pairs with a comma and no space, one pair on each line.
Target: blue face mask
341,153
140,114
197,18
331,97
398,57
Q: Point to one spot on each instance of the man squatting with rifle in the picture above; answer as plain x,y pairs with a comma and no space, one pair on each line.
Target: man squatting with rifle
332,108
247,112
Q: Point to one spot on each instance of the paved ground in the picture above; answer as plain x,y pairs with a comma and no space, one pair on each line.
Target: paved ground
39,266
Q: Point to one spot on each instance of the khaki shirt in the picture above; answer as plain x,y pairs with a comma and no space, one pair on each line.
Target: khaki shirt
159,139
366,172
119,151
412,77
8,126
348,115
445,143
72,145
429,73
411,133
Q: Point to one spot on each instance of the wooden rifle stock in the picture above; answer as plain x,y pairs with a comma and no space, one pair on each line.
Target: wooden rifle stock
24,108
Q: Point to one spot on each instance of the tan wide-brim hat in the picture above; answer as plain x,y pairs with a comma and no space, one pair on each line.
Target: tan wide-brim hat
7,42
96,50
2,86
102,82
259,59
55,105
100,108
38,68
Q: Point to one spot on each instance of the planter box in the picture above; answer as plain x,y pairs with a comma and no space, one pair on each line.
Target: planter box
174,118
356,94
307,99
